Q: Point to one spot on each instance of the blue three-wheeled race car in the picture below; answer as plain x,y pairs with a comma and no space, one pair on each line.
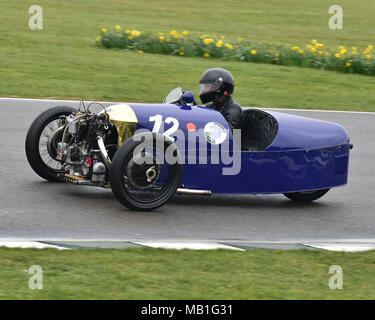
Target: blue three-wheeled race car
148,152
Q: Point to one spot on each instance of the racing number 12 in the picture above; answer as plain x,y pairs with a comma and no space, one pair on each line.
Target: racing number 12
158,119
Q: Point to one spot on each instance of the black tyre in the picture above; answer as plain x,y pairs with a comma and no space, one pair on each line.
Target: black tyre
41,158
145,186
306,196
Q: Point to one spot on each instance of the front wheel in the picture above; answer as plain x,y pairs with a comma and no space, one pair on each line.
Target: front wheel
306,196
40,150
142,176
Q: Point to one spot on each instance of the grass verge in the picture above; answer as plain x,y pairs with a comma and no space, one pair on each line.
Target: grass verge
145,273
62,60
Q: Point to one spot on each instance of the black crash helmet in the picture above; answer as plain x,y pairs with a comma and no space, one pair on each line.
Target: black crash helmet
214,84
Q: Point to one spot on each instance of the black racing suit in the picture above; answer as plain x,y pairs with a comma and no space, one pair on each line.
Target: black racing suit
231,111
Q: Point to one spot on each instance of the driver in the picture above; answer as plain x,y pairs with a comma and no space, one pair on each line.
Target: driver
215,89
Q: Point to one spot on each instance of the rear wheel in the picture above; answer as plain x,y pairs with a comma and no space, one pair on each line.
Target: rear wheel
141,176
306,196
41,140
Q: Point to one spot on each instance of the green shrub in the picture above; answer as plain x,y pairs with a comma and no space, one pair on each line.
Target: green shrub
314,55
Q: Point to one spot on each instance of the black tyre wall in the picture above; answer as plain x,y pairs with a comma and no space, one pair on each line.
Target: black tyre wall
117,180
32,141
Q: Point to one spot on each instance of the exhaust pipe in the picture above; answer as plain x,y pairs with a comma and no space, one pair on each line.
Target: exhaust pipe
103,152
193,192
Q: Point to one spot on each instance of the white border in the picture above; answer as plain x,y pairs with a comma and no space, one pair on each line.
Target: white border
353,245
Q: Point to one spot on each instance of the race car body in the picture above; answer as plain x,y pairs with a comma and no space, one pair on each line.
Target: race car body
147,152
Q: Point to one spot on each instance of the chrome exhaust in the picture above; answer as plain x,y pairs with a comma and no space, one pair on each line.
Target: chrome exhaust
193,192
52,142
103,152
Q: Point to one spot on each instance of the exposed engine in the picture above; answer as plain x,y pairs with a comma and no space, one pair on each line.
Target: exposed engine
85,143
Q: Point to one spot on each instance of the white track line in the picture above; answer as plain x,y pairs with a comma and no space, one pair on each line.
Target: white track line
186,245
285,109
29,244
315,110
44,100
354,245
347,247
244,241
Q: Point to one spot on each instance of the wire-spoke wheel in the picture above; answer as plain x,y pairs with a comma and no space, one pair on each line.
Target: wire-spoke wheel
41,142
142,177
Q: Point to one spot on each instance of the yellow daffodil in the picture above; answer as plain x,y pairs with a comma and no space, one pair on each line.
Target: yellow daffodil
253,51
98,38
140,51
130,38
320,52
354,48
127,31
185,32
161,38
314,41
343,51
239,39
294,48
277,54
319,45
208,41
337,55
313,49
104,30
354,53
368,57
348,64
206,55
175,34
161,34
203,36
182,53
118,27
229,46
219,43
135,33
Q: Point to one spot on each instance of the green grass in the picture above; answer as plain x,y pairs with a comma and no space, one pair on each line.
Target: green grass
145,273
62,60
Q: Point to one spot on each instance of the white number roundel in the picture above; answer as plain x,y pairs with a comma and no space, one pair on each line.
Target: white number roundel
215,133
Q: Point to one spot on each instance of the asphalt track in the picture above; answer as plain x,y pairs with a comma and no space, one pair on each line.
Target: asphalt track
33,208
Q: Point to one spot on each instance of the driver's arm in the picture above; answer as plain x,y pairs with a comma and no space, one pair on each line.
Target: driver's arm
234,117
